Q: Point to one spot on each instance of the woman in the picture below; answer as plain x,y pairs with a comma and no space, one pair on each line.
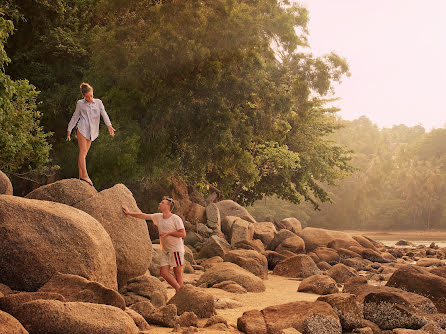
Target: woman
87,117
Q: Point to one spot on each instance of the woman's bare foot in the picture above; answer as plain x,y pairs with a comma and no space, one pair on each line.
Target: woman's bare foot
88,180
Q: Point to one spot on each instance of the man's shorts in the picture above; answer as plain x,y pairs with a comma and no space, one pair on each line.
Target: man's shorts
173,259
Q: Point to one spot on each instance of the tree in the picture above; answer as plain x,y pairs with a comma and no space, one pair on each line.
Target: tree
216,102
23,144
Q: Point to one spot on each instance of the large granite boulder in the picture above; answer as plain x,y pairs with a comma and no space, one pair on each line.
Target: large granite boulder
389,311
292,224
255,245
292,244
214,246
165,316
53,316
231,208
213,219
347,308
128,234
338,244
228,271
429,262
67,191
371,255
439,271
78,289
299,266
241,230
191,239
319,284
250,260
226,226
11,303
148,287
193,299
273,258
279,237
318,237
328,255
265,232
365,242
10,325
357,263
306,317
420,281
5,184
195,214
140,322
360,288
341,273
40,238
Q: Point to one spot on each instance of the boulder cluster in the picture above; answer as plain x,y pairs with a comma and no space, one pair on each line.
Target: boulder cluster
72,262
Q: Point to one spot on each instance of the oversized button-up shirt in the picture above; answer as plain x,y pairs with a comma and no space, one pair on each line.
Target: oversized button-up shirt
87,117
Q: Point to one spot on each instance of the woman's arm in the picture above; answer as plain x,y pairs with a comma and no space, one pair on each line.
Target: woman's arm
141,215
106,120
74,120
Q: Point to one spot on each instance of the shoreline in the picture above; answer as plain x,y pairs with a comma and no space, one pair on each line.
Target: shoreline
409,235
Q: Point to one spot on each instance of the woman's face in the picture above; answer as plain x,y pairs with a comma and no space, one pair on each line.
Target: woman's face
89,96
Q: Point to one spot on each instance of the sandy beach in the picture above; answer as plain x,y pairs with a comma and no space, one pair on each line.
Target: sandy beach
279,290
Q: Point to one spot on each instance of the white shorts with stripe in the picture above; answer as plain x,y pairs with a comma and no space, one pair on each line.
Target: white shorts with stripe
173,259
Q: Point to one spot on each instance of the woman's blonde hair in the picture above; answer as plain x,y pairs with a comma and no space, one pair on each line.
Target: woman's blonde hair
85,88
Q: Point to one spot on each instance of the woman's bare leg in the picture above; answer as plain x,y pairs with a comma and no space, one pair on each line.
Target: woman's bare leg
84,146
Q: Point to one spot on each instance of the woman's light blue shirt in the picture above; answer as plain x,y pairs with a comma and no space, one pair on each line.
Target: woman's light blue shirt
87,117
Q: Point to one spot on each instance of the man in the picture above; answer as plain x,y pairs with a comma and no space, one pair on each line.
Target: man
171,232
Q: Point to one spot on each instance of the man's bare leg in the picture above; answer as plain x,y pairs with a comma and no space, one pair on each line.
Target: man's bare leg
178,275
164,272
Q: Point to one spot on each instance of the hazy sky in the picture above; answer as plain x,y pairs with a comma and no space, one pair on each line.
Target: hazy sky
396,50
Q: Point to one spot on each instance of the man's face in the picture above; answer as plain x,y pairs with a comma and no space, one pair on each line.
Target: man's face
163,205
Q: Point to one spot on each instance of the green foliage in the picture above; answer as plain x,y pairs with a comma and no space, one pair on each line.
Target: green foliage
23,145
222,92
214,101
401,182
50,49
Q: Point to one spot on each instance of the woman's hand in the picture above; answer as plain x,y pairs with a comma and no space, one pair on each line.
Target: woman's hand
111,131
68,136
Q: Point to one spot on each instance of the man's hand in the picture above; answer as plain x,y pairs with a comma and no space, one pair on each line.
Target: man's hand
68,136
111,131
125,209
181,233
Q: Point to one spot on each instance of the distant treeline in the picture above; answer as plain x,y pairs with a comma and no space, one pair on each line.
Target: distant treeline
400,182
223,93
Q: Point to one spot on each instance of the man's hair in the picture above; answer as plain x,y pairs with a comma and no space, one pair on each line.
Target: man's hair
170,201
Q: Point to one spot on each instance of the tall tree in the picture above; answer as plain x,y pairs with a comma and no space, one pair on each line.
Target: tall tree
216,102
23,143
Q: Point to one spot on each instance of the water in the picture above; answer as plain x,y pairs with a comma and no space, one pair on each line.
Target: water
392,243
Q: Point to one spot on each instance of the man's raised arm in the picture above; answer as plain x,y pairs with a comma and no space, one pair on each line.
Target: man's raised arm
140,215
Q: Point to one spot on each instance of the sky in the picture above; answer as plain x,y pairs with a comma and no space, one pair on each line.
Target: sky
396,50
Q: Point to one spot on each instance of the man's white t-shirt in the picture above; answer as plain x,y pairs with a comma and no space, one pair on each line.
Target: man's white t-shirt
171,224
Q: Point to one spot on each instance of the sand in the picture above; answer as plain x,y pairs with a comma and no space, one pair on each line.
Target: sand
279,290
